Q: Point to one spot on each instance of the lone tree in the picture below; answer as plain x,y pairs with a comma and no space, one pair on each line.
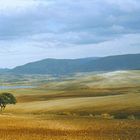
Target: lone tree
6,98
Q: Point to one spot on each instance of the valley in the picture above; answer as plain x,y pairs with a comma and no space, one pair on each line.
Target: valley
83,106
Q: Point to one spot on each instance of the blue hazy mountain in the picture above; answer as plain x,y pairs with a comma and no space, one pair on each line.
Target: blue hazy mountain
69,66
4,70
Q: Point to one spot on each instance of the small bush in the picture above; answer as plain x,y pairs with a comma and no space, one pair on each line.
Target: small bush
107,116
121,116
131,117
90,115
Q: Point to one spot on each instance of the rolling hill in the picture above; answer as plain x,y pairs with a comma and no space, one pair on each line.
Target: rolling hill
70,66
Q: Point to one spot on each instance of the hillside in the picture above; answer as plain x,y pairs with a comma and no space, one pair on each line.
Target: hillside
70,66
116,93
3,71
85,106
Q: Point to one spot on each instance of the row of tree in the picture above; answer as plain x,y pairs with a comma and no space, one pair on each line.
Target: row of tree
6,98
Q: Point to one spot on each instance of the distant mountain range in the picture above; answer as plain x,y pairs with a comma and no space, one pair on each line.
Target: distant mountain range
4,70
70,66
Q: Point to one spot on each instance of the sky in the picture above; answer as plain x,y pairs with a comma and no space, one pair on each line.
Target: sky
32,30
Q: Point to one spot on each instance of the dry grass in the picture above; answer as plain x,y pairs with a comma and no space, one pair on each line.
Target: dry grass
127,103
81,108
66,128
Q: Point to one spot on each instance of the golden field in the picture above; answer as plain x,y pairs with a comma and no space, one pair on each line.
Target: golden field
88,106
67,128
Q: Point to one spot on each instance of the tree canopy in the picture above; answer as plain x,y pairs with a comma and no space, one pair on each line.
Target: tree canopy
6,98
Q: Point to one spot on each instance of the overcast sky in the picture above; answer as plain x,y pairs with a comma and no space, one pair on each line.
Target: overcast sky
31,30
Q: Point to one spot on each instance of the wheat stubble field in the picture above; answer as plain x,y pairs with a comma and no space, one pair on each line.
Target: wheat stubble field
88,106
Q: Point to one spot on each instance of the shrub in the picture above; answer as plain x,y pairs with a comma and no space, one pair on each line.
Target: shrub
131,117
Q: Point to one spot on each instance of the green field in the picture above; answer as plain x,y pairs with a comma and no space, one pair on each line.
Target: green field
84,106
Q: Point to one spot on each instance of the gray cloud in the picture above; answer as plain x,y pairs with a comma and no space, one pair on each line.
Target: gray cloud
68,25
92,18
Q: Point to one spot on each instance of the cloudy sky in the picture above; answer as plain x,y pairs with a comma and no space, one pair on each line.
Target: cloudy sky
31,30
